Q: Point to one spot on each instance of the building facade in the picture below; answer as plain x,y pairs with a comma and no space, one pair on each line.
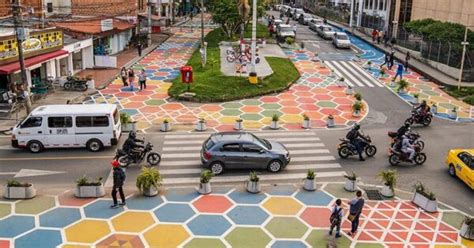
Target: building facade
457,11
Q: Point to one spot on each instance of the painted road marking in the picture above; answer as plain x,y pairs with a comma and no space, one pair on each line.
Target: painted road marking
56,158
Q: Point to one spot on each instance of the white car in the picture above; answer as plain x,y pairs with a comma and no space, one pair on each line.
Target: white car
276,23
341,40
297,13
284,31
325,31
305,18
315,23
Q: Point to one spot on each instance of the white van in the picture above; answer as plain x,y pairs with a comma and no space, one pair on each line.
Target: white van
93,126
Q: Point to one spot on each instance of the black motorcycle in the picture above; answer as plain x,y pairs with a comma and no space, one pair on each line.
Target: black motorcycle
397,156
416,118
346,148
413,136
125,159
75,84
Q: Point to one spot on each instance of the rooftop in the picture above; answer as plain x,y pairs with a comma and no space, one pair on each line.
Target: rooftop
92,26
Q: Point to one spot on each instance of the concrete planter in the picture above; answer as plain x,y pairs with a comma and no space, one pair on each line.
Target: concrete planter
20,192
309,184
150,192
238,125
205,188
351,185
89,191
356,113
330,122
201,126
425,203
387,192
128,127
252,187
453,115
274,125
165,127
307,124
466,232
91,84
434,109
349,91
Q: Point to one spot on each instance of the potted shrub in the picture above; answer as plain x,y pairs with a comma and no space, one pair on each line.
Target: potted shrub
201,125
127,123
253,184
341,80
306,122
356,108
351,183
416,99
309,183
453,114
333,73
274,124
330,121
165,126
369,64
205,182
424,198
358,96
86,188
467,229
17,190
402,86
349,90
382,72
389,179
289,40
238,124
148,181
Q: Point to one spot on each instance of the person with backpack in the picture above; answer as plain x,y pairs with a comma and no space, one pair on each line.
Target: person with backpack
356,207
336,218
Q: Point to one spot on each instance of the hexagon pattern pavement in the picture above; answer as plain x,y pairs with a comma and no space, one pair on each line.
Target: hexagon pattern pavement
273,219
316,94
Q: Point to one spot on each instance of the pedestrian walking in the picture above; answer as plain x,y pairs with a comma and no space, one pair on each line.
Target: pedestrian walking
393,41
374,35
385,39
142,79
386,60
336,218
288,21
399,72
131,78
119,179
123,74
139,48
380,36
356,207
407,59
391,60
294,29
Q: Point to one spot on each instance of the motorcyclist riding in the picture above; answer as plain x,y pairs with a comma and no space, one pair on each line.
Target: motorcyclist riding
407,147
131,145
422,109
356,138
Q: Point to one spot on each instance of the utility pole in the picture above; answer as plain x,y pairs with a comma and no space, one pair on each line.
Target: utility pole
149,22
352,14
254,35
464,44
18,21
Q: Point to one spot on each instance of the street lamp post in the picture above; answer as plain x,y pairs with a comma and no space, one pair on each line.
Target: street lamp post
254,35
464,44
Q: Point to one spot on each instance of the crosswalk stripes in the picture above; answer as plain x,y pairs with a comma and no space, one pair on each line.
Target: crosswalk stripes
181,163
354,74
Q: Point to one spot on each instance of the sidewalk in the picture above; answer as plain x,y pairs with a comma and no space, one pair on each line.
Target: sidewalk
279,216
416,65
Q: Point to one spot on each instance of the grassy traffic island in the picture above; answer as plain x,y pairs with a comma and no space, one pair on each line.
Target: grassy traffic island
211,85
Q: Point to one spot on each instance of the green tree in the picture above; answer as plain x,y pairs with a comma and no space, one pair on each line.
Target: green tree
226,13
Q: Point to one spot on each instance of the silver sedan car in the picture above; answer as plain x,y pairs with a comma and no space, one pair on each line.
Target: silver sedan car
242,150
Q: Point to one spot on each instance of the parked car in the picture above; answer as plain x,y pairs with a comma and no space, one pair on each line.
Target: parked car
325,31
460,164
284,31
284,9
242,150
297,13
93,126
305,18
276,24
315,23
341,40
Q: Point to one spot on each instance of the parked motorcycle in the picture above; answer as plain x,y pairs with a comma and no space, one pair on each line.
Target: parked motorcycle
412,135
125,159
75,84
346,148
397,156
415,118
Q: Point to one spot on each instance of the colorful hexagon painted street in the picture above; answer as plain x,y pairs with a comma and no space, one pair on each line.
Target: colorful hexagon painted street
87,231
209,225
166,235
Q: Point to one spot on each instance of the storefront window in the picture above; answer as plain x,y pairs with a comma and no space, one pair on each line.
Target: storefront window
77,61
63,67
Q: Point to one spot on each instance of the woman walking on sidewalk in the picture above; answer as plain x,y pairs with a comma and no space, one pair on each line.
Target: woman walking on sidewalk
142,79
356,207
123,74
131,78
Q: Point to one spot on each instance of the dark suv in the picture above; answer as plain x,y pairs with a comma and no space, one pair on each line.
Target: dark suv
242,150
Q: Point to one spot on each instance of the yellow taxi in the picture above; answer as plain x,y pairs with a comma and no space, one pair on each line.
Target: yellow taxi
461,164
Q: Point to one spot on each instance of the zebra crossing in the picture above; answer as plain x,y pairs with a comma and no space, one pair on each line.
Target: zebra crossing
181,164
354,75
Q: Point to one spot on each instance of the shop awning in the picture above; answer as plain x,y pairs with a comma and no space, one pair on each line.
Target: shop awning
93,26
15,66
